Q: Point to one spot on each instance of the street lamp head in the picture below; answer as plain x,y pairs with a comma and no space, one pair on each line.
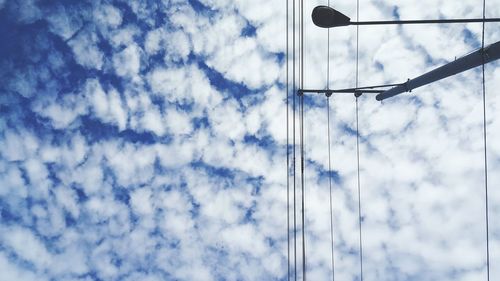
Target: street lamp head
326,17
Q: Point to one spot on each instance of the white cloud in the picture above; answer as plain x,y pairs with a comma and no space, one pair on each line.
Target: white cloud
65,22
414,61
10,271
108,107
177,46
128,61
243,238
27,11
152,120
178,122
25,83
108,15
131,164
72,261
104,266
123,37
184,85
181,153
239,59
19,146
37,174
62,112
243,61
272,117
141,201
61,116
27,246
143,276
86,51
12,182
96,94
154,40
67,198
176,224
222,118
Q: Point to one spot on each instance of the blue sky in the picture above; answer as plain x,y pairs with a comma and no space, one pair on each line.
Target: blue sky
145,140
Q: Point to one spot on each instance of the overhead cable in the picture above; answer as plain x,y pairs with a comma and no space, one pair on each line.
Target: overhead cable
485,155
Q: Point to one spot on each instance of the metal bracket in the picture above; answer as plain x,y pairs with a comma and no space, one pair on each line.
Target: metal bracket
407,89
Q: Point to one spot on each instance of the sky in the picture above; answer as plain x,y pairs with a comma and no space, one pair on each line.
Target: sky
146,140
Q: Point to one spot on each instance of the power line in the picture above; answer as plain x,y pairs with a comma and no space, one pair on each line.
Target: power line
357,149
485,154
330,185
329,151
359,195
302,33
287,150
328,57
302,169
294,145
382,22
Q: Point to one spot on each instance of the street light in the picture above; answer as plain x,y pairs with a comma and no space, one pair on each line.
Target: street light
326,17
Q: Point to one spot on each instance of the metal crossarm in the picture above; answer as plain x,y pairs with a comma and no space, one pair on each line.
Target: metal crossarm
357,90
474,59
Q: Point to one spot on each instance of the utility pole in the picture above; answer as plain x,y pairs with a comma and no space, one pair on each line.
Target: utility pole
327,17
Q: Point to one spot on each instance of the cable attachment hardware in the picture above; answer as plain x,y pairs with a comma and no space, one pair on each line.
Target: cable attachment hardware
358,94
300,92
407,89
328,93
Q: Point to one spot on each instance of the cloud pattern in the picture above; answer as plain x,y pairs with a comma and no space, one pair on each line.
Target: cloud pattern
145,140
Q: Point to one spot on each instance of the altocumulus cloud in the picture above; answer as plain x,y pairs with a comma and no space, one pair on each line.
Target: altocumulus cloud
145,140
